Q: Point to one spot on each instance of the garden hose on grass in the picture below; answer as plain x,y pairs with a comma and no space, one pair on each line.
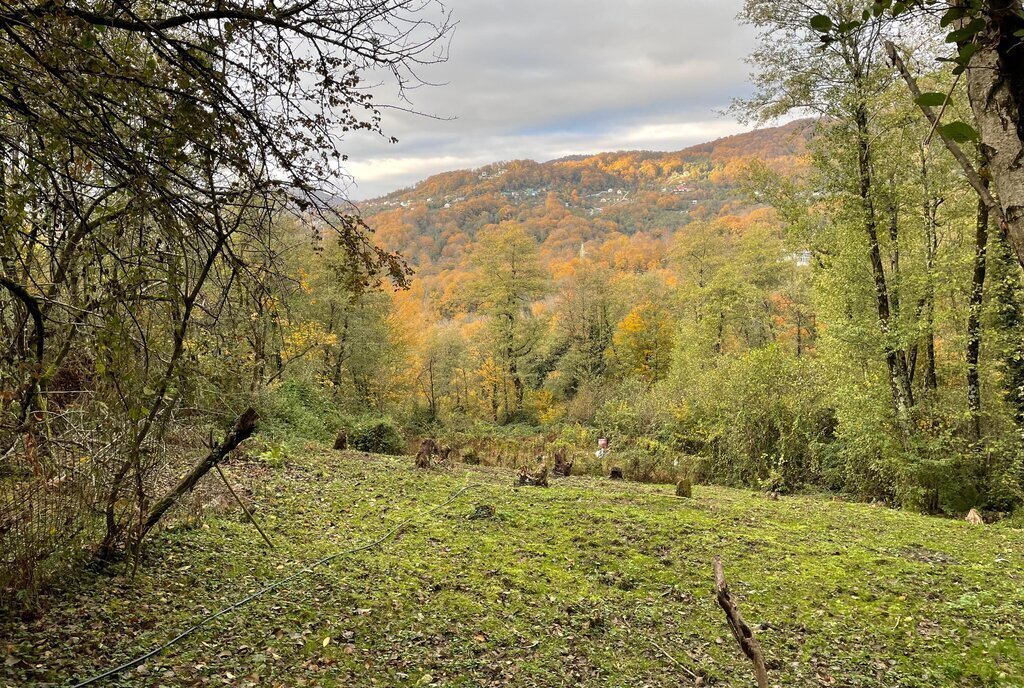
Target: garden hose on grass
274,586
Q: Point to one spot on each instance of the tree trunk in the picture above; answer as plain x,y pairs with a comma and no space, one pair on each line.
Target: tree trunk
517,387
995,87
974,321
931,381
896,362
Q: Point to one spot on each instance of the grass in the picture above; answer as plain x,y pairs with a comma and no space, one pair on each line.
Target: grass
584,583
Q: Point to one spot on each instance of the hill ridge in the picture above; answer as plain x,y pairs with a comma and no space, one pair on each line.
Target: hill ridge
647,197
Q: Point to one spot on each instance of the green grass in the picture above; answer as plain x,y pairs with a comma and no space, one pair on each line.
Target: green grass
572,585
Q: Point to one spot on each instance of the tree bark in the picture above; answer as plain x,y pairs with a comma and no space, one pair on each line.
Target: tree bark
931,209
995,88
740,630
974,321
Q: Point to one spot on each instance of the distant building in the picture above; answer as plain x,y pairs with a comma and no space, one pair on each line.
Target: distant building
801,258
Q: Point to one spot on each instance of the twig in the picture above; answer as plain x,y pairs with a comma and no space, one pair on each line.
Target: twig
740,630
942,110
242,504
675,661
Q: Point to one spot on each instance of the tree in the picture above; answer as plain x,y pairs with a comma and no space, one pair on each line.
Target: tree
586,314
146,152
507,277
839,79
987,36
642,344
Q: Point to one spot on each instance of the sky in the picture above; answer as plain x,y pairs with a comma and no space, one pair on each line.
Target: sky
542,79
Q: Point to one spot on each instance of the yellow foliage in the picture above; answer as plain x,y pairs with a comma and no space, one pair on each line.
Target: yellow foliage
303,337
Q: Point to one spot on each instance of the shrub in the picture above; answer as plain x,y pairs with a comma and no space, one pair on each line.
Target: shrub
377,436
298,409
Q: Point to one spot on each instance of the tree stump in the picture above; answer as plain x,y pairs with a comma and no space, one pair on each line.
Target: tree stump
482,511
563,465
539,480
425,456
616,473
448,454
341,441
684,488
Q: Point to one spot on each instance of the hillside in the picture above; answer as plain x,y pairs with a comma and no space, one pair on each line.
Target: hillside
587,583
582,203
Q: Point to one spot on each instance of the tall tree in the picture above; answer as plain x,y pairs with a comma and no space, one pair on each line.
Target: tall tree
986,37
507,277
839,79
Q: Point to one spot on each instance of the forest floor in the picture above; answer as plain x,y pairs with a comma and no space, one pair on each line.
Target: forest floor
586,583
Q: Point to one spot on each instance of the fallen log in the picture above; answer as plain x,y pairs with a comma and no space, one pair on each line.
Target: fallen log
740,630
243,428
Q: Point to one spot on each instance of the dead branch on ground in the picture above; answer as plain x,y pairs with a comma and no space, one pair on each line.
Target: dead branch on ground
740,630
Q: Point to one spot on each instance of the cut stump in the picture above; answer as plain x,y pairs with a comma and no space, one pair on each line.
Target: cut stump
539,480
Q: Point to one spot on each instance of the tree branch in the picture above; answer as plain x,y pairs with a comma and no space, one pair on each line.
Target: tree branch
244,427
740,630
973,177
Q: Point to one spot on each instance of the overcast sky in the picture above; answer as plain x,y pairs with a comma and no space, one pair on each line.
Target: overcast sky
542,79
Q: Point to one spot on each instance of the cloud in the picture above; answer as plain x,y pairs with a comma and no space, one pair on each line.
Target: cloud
541,79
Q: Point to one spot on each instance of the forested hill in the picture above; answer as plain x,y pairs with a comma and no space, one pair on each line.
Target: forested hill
631,200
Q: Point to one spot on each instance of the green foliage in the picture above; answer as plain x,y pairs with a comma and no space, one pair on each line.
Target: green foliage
377,435
931,99
299,409
821,22
273,455
635,409
961,132
759,417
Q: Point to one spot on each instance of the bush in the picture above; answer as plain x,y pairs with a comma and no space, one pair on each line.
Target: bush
377,436
759,418
298,409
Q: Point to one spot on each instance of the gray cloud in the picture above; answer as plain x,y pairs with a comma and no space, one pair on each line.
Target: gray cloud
545,78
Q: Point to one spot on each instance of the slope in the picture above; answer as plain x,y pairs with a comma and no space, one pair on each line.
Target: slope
587,583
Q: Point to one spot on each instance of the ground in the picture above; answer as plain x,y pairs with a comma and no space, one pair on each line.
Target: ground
586,583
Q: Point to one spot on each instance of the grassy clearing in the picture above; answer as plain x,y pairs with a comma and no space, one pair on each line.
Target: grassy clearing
564,586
